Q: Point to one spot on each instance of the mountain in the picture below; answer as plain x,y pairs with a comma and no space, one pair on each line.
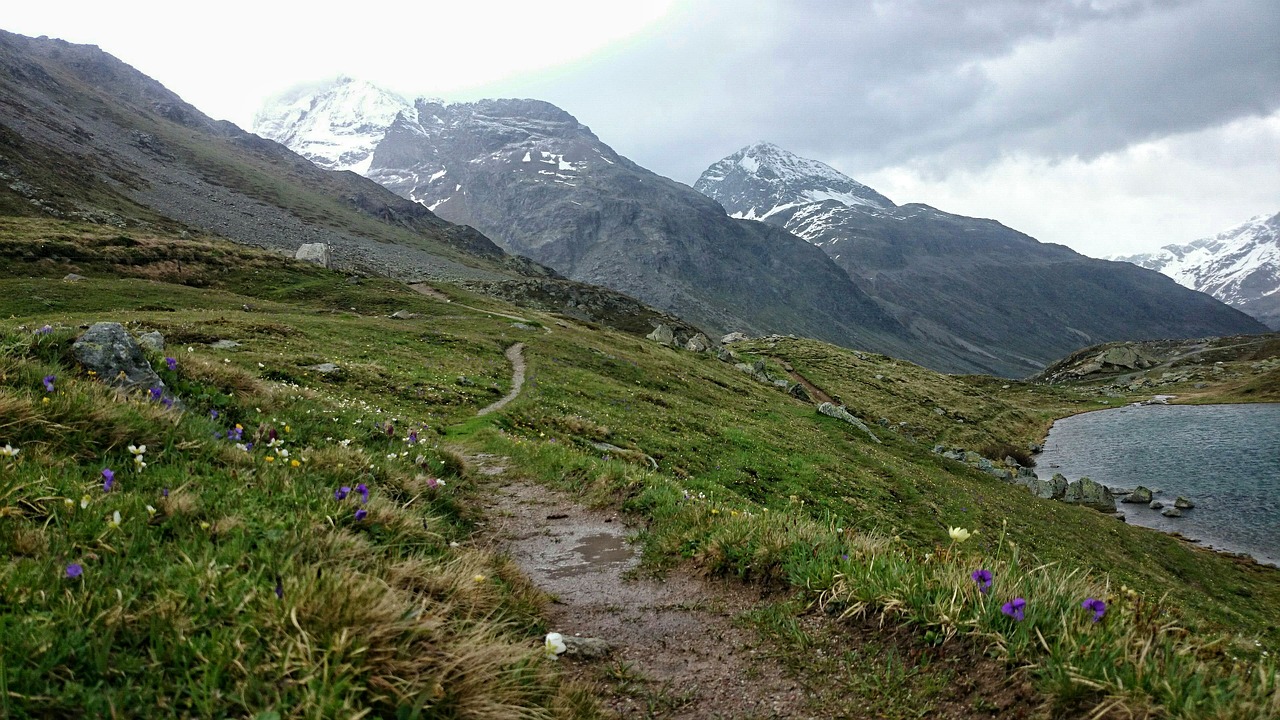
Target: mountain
1239,266
541,184
1015,303
85,137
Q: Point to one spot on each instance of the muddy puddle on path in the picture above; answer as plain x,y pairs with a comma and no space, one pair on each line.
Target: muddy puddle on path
674,638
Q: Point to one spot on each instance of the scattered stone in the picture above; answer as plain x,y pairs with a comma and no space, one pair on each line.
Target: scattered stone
1171,512
72,277
325,368
1058,486
1011,461
723,355
353,280
733,337
1155,504
317,253
662,335
586,648
1140,494
698,343
1035,447
939,411
799,392
152,341
518,326
841,413
1183,503
404,315
106,349
224,345
1090,494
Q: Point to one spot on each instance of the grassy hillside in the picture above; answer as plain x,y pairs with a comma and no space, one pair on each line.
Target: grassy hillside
252,588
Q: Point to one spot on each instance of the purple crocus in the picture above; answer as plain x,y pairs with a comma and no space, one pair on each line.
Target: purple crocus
48,382
74,570
1014,608
279,589
983,578
361,514
44,330
171,362
164,492
341,493
213,414
272,435
156,392
364,492
1095,606
413,437
108,479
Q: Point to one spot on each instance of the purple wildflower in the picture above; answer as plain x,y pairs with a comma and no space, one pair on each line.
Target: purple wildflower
48,382
217,435
167,402
433,483
364,492
413,437
164,492
272,435
108,479
983,578
171,362
341,493
279,589
235,433
248,447
213,414
44,330
156,392
361,514
1014,608
1096,606
391,430
75,570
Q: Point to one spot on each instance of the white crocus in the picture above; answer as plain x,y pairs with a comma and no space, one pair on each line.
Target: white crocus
553,646
958,534
115,519
9,451
137,449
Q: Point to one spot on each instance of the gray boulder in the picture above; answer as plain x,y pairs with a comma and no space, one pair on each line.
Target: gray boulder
224,345
152,341
107,349
1183,503
698,343
1090,494
1171,512
326,368
1155,504
798,391
403,315
586,648
73,277
733,337
1058,486
840,413
1140,494
317,253
723,355
662,335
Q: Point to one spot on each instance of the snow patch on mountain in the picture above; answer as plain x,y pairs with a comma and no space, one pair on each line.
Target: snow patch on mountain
335,125
1240,266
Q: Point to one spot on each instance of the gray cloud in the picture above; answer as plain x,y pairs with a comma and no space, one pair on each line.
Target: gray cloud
941,85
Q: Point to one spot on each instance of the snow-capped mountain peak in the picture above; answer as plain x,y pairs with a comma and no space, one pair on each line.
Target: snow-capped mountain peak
1240,266
336,124
763,179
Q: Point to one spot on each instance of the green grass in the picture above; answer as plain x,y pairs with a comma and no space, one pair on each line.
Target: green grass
749,483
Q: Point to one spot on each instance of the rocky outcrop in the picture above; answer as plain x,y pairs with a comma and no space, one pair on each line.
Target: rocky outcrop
698,343
840,413
115,357
1140,494
662,335
317,253
1090,494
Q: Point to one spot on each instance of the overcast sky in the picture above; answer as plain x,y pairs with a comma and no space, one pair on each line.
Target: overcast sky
1106,125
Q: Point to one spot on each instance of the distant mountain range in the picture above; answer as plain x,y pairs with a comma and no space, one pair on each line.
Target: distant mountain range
772,242
1240,266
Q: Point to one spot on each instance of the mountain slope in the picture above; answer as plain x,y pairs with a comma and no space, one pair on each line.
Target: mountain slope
1240,266
532,177
964,282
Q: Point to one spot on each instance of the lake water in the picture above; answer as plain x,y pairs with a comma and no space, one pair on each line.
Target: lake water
1225,458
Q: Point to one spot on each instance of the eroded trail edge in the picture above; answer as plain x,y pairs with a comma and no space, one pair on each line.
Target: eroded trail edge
515,355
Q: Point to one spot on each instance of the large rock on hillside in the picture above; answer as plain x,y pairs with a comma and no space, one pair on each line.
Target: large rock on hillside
1090,494
106,349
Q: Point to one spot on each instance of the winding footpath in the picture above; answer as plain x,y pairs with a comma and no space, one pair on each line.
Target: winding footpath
515,354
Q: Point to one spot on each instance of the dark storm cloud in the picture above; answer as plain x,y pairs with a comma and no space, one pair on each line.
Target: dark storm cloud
939,84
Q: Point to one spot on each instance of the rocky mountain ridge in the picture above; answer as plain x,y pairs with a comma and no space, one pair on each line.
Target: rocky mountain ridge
539,182
1015,303
1240,266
